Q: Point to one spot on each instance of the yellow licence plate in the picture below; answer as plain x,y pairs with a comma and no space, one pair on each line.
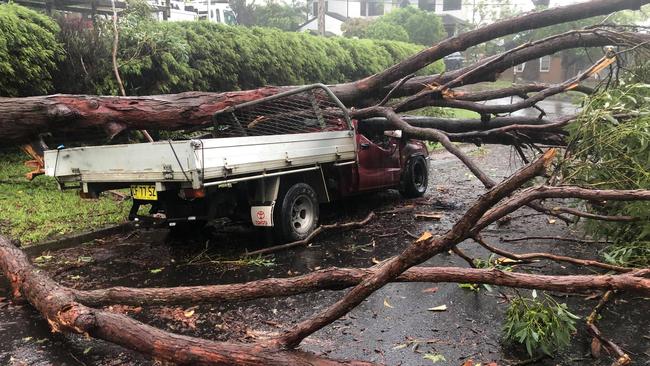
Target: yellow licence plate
144,192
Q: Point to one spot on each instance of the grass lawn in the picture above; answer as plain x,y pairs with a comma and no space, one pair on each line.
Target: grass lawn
37,210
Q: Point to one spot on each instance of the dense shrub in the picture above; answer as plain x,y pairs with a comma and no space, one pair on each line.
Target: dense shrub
407,24
387,31
29,51
169,57
37,56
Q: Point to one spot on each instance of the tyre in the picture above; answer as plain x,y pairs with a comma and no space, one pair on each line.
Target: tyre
296,212
415,178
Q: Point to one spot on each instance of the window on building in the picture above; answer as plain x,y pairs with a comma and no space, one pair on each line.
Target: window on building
218,16
427,5
452,5
363,11
520,68
545,64
211,14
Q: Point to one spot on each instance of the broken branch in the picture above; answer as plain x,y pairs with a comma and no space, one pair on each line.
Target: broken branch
315,233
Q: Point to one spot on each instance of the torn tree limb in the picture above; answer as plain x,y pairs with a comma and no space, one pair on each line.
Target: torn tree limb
622,358
590,215
511,91
341,278
496,131
555,127
64,314
544,192
593,38
436,98
315,233
553,257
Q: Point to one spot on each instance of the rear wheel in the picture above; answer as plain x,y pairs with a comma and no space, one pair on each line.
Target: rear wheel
296,213
415,178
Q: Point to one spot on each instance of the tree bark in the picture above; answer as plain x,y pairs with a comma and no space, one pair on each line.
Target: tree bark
60,308
341,278
22,119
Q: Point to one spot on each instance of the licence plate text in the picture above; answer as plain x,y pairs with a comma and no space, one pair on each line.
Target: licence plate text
144,192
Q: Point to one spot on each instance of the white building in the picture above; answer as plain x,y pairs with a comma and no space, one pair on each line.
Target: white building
337,11
217,11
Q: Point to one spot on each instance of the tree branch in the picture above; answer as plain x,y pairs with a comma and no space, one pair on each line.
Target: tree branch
553,257
495,30
340,278
64,314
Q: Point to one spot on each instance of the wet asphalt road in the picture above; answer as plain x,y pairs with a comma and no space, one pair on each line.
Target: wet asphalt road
393,326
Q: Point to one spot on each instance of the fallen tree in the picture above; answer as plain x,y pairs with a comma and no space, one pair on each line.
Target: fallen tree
379,101
64,313
23,119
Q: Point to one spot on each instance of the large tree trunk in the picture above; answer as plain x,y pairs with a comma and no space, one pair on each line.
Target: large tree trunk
22,119
60,307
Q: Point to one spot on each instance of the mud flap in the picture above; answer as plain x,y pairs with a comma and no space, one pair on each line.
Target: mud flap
262,215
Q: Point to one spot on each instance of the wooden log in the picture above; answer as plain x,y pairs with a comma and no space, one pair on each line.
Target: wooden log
64,314
22,119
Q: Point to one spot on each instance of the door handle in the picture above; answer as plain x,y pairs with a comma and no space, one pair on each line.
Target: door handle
364,146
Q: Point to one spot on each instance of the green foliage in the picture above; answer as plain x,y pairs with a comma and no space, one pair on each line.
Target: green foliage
170,57
88,57
541,324
492,262
387,31
271,14
611,153
356,27
29,51
280,15
424,28
34,211
420,27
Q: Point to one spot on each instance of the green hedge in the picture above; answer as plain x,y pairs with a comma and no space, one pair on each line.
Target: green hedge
179,56
29,51
170,57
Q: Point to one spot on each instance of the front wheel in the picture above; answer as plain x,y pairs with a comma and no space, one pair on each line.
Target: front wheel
415,178
296,213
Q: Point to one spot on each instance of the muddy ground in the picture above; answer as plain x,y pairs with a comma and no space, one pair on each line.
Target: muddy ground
393,326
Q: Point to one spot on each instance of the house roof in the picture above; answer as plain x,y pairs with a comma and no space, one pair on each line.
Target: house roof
450,19
337,16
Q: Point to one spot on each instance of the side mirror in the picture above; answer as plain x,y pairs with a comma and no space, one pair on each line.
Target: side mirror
394,133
